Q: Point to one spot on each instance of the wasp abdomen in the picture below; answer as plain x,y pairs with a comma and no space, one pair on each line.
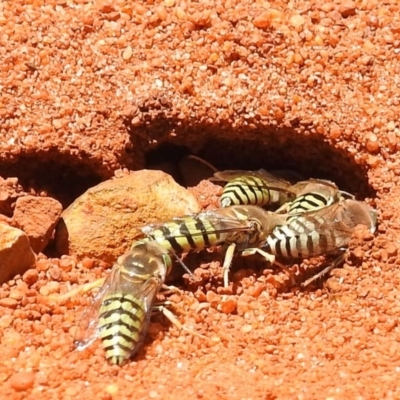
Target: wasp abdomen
248,190
120,321
302,238
190,233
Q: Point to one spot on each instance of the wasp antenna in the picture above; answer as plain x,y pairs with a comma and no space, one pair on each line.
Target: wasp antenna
347,195
182,263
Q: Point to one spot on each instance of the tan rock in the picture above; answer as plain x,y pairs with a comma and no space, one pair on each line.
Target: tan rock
37,217
104,221
16,255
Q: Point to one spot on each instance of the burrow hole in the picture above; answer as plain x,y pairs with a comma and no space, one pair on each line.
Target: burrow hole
66,177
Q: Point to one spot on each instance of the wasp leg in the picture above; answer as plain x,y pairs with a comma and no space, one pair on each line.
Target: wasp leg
269,257
283,208
87,287
174,320
227,263
170,289
325,271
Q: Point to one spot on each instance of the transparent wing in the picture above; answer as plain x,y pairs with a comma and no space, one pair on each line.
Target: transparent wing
146,291
273,182
88,328
330,222
214,221
312,183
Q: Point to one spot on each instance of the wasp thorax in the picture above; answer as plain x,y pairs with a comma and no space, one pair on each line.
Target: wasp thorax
361,213
146,259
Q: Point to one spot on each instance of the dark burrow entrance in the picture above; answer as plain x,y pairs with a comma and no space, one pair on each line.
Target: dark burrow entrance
307,157
63,177
66,177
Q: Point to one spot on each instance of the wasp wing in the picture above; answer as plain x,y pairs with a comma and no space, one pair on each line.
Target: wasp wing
271,181
332,225
312,184
145,292
87,329
215,220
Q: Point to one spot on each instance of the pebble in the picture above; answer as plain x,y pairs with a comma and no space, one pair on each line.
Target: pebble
127,54
21,381
31,276
228,306
8,302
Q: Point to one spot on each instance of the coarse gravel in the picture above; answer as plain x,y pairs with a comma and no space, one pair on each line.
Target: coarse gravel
94,85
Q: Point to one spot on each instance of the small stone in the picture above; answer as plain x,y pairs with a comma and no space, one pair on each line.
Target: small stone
180,13
347,8
67,264
162,13
246,328
228,306
127,54
20,381
6,320
112,389
42,264
8,303
372,143
391,250
297,20
265,19
30,277
113,16
57,123
213,298
335,132
87,263
16,294
107,8
200,295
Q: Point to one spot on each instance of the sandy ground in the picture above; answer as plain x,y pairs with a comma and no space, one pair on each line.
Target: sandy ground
89,87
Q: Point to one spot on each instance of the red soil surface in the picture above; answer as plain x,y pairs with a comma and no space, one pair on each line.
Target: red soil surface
89,87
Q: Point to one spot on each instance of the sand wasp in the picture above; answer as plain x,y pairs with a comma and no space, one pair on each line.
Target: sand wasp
120,312
259,188
324,231
313,194
262,188
235,227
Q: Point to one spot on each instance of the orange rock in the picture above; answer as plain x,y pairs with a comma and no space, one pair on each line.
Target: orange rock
37,217
228,306
105,220
22,381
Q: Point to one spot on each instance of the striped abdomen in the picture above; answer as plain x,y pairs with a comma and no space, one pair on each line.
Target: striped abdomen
248,190
190,233
121,322
309,202
302,238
